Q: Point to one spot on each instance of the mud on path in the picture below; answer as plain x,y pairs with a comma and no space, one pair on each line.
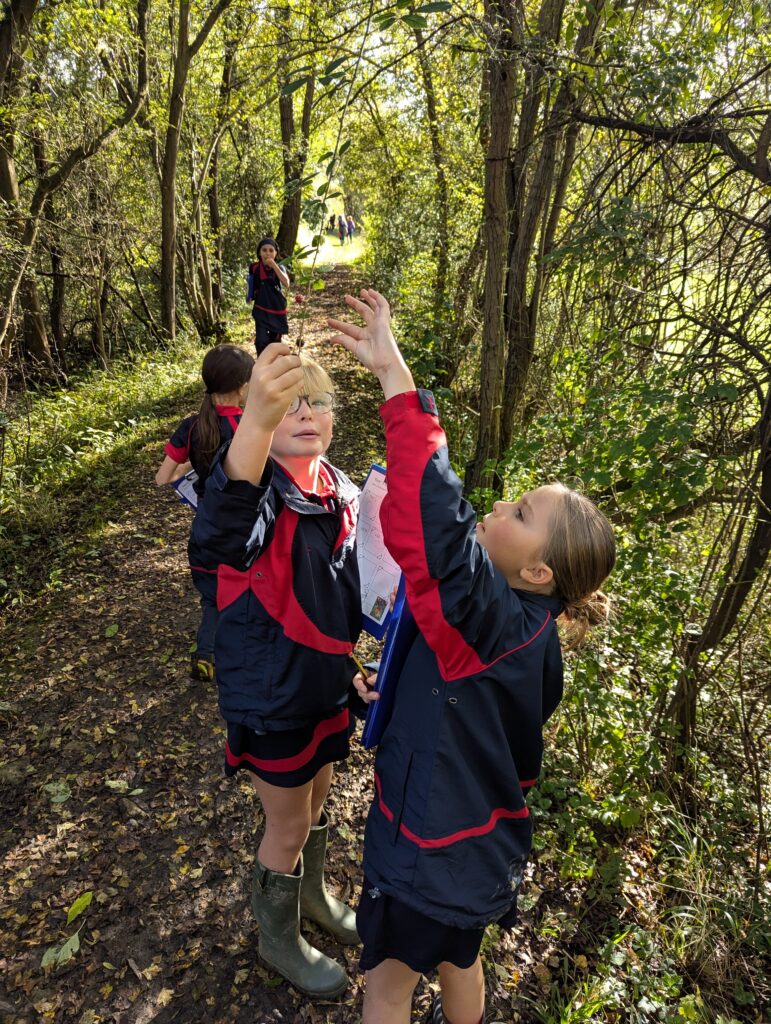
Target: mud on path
111,782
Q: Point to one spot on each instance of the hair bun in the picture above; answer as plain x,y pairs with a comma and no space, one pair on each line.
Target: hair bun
586,613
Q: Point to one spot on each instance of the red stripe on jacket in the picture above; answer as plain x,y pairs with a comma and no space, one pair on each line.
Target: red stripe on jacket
412,439
408,452
270,580
326,727
178,455
496,815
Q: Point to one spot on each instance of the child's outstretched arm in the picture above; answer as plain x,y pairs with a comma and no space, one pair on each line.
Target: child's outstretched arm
169,471
463,607
276,379
374,345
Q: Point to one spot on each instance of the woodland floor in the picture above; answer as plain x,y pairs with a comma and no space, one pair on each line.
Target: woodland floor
97,701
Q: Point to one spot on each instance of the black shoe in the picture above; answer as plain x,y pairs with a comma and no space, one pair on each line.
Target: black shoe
201,669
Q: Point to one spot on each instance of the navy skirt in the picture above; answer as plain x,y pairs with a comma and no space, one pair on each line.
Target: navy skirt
293,757
390,930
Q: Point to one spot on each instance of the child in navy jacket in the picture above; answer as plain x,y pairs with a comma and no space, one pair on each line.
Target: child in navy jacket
448,833
269,303
277,528
226,370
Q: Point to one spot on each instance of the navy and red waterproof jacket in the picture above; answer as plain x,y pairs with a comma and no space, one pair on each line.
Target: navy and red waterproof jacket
449,831
288,594
183,446
269,301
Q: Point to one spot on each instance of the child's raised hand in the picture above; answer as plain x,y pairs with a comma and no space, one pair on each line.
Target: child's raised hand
374,344
276,379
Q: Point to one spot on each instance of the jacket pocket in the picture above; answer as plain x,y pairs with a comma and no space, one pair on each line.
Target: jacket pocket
392,775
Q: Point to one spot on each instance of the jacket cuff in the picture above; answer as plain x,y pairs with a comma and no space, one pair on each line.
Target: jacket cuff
408,402
220,481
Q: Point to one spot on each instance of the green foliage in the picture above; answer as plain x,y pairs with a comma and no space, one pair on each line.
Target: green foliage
67,455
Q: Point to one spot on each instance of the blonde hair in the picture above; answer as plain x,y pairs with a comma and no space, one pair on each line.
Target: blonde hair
315,377
581,553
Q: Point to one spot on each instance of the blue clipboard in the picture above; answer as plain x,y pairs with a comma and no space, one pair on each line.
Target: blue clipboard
185,489
401,635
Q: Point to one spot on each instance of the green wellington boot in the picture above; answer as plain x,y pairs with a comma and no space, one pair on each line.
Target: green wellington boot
315,902
276,906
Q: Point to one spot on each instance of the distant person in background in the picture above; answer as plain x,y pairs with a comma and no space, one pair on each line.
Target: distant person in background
342,228
351,226
331,222
265,292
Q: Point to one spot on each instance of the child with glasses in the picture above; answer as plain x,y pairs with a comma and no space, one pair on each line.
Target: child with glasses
277,524
449,832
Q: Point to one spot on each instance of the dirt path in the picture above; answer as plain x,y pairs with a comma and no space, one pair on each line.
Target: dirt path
99,713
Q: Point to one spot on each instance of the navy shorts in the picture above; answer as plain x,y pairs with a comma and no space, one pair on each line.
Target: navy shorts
292,757
390,930
264,336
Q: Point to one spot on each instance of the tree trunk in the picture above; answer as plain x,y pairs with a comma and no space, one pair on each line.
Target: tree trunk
501,17
56,179
295,151
731,596
442,246
215,219
185,53
536,210
169,174
15,25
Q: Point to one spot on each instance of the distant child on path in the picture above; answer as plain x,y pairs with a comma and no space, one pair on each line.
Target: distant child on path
226,371
342,228
449,833
269,308
351,223
278,530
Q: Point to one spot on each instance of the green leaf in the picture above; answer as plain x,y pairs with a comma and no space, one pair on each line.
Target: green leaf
291,87
385,21
344,148
69,949
79,906
58,792
630,817
50,957
117,785
322,189
319,286
333,65
434,8
111,630
415,20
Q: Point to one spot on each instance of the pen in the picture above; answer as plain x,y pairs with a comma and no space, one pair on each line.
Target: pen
358,665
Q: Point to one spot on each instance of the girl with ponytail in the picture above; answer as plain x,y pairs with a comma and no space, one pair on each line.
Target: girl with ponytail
449,832
226,371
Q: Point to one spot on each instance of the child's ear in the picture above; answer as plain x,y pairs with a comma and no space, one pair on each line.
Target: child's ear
539,575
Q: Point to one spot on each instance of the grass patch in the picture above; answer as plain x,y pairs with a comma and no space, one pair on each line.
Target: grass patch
70,459
331,253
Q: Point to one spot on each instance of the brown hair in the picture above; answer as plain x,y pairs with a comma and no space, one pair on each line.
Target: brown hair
225,369
581,552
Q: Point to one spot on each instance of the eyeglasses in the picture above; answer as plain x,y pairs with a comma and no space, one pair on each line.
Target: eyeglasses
318,401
